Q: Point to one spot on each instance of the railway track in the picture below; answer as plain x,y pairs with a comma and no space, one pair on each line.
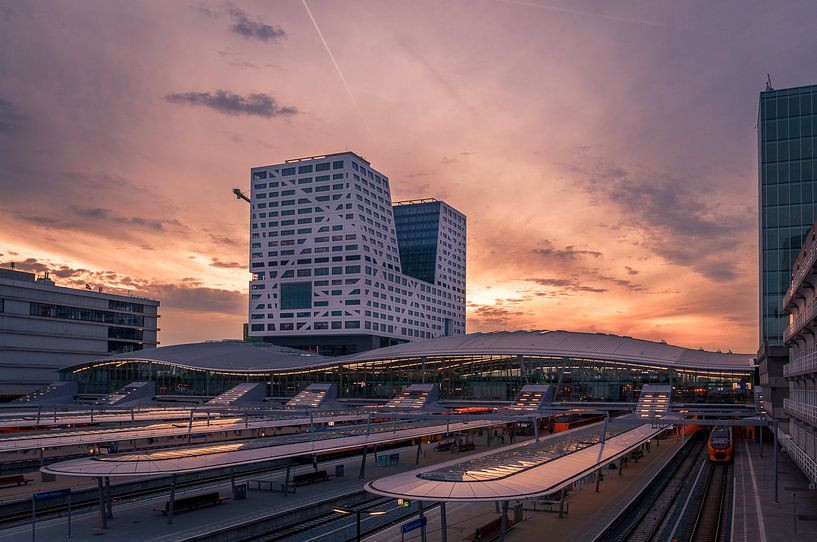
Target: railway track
649,522
645,518
300,528
709,524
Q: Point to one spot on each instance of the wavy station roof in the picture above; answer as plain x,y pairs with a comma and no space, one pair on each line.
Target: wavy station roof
244,357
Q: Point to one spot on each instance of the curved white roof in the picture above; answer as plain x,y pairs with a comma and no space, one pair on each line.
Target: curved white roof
600,346
264,357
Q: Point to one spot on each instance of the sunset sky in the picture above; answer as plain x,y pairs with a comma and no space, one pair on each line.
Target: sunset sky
606,157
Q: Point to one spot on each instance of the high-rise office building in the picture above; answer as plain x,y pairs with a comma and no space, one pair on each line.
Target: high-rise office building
44,327
787,128
338,269
787,190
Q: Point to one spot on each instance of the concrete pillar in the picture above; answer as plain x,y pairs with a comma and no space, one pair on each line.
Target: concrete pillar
443,523
103,517
109,497
362,473
503,525
171,503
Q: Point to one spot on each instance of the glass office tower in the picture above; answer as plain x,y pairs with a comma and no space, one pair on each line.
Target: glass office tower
787,129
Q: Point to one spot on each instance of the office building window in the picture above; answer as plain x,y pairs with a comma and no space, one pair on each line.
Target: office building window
296,295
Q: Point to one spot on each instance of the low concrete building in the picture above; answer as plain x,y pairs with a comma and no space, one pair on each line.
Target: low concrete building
44,327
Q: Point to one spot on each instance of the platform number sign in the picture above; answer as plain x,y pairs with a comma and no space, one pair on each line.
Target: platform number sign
405,503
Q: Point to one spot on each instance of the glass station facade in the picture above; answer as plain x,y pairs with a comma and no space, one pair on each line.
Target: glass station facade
460,377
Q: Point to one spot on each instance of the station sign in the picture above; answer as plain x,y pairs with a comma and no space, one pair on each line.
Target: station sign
45,495
414,524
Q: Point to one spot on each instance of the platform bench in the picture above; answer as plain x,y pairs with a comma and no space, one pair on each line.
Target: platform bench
489,531
17,479
191,503
310,478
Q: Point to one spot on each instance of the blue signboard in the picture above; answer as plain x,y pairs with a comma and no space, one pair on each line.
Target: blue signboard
51,494
414,524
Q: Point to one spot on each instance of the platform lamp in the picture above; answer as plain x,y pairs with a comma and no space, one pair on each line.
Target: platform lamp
358,512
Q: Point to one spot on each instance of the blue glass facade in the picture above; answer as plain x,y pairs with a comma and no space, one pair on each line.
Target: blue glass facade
417,228
787,131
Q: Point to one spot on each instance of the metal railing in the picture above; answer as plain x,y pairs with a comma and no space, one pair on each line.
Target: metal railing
804,411
802,362
797,278
807,315
806,463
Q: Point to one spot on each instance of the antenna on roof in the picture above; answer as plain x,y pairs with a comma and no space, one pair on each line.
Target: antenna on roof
769,83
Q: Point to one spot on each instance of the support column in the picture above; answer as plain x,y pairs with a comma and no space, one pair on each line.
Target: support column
419,448
422,526
315,462
503,526
109,497
776,469
536,427
103,517
443,523
362,473
562,503
171,503
286,480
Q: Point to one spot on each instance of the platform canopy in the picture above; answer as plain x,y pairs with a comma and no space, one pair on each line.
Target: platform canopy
519,471
228,454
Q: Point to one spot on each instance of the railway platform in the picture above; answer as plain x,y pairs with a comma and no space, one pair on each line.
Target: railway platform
756,517
138,521
589,512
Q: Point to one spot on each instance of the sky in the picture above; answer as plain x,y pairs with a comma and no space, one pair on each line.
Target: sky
605,153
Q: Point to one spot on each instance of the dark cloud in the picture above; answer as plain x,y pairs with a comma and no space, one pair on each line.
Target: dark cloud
11,118
215,262
564,286
677,220
630,270
229,103
30,265
195,297
187,294
568,253
244,26
222,239
88,214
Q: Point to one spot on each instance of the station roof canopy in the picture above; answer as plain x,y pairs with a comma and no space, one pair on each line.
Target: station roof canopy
227,355
519,471
237,356
570,344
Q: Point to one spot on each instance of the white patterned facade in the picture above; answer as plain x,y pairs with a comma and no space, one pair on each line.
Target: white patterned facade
799,437
326,264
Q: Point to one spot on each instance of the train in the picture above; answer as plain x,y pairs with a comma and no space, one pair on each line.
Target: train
721,445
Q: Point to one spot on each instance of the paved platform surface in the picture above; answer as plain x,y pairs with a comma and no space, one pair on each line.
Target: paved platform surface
589,512
756,517
137,521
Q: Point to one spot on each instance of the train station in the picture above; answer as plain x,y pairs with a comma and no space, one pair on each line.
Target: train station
479,437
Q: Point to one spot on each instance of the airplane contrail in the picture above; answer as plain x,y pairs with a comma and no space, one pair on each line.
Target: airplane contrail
332,57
